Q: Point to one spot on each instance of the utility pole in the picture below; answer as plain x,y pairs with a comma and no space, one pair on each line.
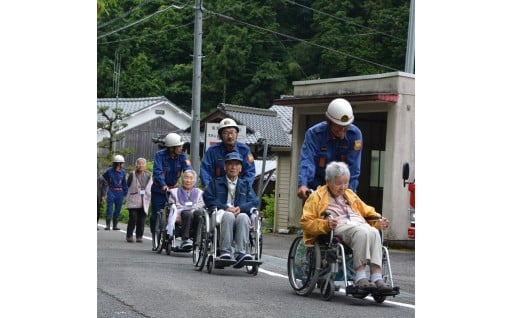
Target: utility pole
409,54
196,87
117,74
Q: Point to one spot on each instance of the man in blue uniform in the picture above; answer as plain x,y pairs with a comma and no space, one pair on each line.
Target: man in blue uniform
117,190
336,139
212,165
235,200
169,163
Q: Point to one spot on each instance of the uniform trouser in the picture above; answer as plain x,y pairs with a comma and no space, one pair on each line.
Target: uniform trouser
364,241
158,201
99,210
136,221
114,200
238,226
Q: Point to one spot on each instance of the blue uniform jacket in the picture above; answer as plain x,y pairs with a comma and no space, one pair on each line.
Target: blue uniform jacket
116,180
217,194
320,148
167,171
212,165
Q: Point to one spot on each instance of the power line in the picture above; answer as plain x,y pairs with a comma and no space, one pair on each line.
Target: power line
231,19
158,32
141,20
147,35
345,20
125,14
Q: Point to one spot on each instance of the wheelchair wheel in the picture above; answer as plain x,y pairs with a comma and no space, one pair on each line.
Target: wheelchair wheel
303,267
252,269
379,298
199,248
255,247
160,239
327,289
209,264
167,244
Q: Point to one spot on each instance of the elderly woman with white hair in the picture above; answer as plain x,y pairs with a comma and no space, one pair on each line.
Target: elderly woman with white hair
188,198
348,220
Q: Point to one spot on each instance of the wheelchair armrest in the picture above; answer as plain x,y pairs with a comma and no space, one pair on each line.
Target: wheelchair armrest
259,214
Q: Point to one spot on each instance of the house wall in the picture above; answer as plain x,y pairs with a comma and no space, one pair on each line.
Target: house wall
164,110
400,140
282,193
139,138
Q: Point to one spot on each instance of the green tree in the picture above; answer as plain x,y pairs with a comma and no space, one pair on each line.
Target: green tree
112,125
251,58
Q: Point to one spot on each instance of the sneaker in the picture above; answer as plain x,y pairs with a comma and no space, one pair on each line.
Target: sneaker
225,255
139,240
186,244
240,258
129,239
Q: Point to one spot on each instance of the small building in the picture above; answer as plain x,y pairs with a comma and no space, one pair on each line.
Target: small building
384,109
148,118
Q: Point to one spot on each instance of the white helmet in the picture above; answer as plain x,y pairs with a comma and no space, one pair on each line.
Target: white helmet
227,122
118,158
173,140
340,112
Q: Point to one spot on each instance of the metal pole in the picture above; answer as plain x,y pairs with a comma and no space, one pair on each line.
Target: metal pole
409,54
196,88
262,174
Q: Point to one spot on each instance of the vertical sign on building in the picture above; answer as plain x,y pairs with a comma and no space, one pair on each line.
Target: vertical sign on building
211,134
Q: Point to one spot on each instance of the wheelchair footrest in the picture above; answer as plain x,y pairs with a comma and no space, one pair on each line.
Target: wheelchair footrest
394,292
229,262
177,249
252,263
358,291
224,262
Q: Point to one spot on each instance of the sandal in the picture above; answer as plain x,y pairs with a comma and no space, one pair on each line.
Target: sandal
382,286
364,283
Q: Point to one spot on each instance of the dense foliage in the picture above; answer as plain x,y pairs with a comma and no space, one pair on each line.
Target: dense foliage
252,50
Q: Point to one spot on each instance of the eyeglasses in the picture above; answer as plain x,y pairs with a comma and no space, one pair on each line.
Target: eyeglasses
228,133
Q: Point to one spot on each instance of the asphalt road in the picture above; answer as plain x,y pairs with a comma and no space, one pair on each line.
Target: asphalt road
133,281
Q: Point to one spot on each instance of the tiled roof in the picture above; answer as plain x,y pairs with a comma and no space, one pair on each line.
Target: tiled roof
285,114
129,105
274,124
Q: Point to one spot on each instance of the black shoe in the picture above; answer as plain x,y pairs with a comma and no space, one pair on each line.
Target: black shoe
116,228
107,229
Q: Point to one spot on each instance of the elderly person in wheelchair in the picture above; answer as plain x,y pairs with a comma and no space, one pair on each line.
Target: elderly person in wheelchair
235,199
348,214
188,199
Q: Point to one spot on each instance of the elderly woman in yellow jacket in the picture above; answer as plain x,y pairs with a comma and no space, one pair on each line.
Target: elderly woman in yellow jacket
348,214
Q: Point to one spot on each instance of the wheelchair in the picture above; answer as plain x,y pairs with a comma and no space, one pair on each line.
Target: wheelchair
162,240
328,266
206,249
